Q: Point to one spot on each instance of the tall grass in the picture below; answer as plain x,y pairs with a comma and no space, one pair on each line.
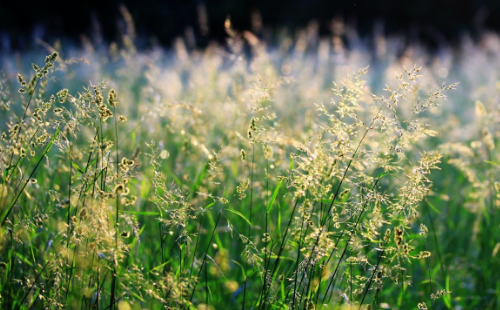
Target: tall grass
242,178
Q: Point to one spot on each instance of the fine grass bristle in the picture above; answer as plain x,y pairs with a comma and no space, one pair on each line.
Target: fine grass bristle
234,179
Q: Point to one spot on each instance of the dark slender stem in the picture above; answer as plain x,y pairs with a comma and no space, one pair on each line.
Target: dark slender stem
205,255
32,286
21,122
371,279
297,267
196,245
117,211
206,285
365,204
249,217
264,285
26,182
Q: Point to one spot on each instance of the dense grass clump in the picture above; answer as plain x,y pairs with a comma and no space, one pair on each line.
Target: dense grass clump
232,179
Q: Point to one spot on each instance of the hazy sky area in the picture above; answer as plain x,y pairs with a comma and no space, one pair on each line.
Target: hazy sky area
429,21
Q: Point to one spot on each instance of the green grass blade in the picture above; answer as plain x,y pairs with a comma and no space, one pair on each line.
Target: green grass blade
273,198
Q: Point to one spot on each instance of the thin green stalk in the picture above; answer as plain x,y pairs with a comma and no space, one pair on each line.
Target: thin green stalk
436,242
297,265
205,255
249,218
264,285
371,279
68,231
365,204
117,219
32,286
47,149
21,122
283,240
196,244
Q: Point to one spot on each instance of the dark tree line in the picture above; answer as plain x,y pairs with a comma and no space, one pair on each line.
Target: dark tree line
428,20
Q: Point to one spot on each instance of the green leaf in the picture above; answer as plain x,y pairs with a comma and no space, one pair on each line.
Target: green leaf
429,281
24,259
76,167
282,289
325,200
278,225
49,145
281,305
96,178
274,256
6,172
273,198
158,267
381,175
291,163
447,297
432,207
210,205
141,212
201,176
145,186
90,165
176,179
138,297
242,268
240,215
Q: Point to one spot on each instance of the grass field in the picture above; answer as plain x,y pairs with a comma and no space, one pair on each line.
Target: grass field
301,175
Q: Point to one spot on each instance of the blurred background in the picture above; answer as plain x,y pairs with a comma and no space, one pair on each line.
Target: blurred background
433,23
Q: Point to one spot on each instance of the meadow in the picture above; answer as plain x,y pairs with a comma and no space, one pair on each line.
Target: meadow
302,174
